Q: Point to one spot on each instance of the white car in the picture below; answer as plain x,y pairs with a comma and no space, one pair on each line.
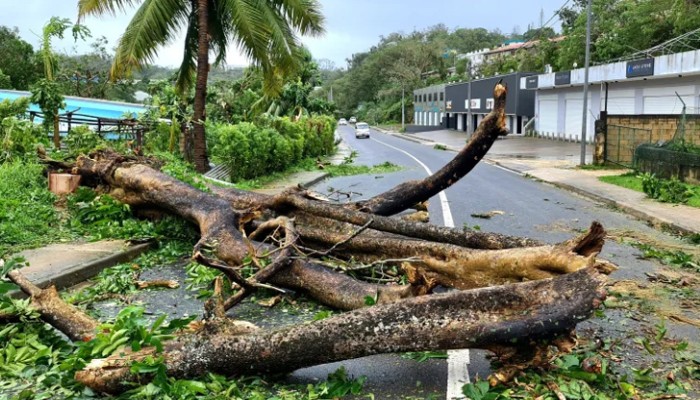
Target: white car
361,130
342,121
352,120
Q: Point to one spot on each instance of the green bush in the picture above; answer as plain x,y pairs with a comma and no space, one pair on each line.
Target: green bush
272,145
27,216
15,108
666,190
82,140
157,139
19,138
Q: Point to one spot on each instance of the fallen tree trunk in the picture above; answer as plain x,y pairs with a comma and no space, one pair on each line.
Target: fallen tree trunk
74,323
502,316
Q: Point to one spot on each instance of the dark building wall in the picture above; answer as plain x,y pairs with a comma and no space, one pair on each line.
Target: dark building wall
518,102
456,94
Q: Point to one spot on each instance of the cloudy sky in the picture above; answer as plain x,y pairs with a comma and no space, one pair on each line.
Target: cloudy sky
351,25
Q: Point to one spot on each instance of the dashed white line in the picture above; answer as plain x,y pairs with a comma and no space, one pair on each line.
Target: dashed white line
457,360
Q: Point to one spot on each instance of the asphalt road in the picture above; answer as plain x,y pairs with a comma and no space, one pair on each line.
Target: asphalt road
530,208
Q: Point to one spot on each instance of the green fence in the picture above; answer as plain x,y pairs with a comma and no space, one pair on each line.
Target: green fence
622,141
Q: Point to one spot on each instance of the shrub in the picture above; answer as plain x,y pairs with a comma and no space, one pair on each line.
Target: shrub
82,140
27,216
253,150
19,138
157,138
667,191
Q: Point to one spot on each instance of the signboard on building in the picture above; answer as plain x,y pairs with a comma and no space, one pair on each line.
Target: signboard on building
562,78
531,82
474,104
489,104
640,68
448,105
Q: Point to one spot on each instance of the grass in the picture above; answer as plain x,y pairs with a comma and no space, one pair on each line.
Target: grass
604,167
629,180
348,169
632,180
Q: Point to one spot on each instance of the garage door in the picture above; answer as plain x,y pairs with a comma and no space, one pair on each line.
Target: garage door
547,118
574,114
619,102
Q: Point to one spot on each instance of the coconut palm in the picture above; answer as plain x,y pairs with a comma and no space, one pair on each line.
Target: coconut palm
263,30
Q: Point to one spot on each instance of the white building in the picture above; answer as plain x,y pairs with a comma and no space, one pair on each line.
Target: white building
649,86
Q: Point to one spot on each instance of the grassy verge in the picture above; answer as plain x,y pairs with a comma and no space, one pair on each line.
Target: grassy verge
634,181
604,167
345,169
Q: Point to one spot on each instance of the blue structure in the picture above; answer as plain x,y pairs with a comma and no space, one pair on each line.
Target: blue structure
84,106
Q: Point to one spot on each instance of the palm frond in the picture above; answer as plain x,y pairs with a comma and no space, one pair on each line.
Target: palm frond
247,29
101,7
188,68
155,24
219,24
304,15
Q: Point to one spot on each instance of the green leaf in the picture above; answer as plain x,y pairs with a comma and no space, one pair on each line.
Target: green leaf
6,287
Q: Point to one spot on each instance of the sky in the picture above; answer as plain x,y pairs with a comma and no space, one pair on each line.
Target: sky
352,26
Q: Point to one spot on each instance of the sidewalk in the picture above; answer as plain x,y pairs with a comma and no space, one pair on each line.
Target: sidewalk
555,162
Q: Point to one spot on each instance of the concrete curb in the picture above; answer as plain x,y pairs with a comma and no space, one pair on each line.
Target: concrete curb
75,274
652,220
314,181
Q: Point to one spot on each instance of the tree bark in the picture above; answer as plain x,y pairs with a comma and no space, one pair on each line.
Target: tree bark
201,160
409,193
495,317
74,323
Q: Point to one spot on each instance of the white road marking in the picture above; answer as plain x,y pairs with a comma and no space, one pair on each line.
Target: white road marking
445,205
457,360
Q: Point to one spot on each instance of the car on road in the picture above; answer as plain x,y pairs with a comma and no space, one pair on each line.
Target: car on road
342,121
352,120
361,130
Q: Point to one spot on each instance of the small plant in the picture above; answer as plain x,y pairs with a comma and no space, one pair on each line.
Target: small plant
667,191
678,257
350,158
422,356
82,140
439,146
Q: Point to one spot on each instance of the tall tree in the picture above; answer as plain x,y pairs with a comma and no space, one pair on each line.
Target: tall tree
17,61
264,30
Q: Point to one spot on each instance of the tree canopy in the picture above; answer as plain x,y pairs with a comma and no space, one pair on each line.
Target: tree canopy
17,63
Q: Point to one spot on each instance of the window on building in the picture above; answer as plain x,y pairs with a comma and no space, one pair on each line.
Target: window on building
442,96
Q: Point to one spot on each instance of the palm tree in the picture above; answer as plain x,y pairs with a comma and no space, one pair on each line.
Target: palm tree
264,30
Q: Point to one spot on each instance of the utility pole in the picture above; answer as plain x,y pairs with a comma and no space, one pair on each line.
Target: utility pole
585,83
403,110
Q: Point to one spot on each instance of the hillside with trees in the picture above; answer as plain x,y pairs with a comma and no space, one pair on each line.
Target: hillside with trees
372,83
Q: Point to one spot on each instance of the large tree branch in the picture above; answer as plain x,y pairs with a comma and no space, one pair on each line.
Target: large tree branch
409,193
74,323
137,184
486,318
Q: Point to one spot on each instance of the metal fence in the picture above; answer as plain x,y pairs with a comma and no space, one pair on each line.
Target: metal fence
621,143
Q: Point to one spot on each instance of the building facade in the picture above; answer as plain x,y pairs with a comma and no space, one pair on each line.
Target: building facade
467,103
429,106
658,86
